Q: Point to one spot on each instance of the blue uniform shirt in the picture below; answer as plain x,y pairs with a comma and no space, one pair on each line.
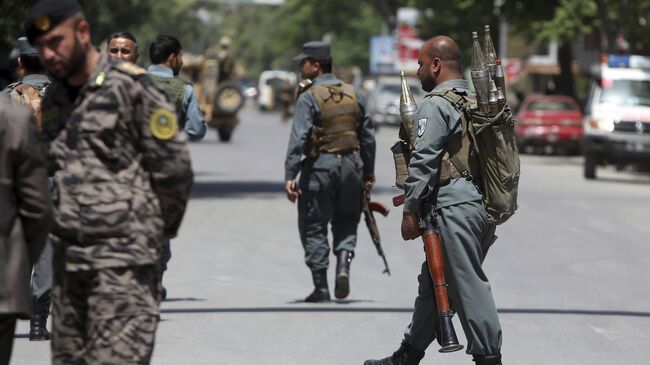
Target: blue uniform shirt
194,125
307,114
437,123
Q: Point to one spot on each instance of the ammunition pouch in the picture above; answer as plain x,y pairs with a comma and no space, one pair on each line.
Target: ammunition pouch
401,157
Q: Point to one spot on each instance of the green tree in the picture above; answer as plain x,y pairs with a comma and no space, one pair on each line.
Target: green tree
12,14
268,37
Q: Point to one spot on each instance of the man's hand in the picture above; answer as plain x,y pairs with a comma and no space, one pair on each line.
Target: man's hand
368,181
292,191
410,228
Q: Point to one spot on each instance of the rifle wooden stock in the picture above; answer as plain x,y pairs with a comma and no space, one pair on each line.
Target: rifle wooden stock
436,264
378,207
398,200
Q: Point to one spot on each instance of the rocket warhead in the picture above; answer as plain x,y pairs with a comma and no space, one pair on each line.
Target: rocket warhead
407,106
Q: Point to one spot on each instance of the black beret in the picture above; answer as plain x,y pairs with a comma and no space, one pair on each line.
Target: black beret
47,14
316,49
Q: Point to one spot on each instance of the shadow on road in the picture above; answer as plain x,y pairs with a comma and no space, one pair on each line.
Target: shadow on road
230,189
219,189
331,307
190,299
638,180
335,301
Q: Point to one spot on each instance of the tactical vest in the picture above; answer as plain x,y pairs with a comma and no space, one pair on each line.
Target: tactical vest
458,159
339,114
29,95
174,88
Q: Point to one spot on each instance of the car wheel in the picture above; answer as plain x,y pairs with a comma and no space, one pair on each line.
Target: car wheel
590,166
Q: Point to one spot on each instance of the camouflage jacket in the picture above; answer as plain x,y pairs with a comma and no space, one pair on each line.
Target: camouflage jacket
121,170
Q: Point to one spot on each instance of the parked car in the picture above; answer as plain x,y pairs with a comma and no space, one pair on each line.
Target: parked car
383,101
550,124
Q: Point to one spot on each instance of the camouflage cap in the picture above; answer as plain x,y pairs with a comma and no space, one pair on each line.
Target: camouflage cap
316,49
24,47
47,14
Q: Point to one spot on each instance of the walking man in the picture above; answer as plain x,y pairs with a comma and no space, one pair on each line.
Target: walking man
457,206
332,146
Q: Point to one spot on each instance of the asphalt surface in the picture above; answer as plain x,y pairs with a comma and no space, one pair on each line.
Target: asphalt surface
569,271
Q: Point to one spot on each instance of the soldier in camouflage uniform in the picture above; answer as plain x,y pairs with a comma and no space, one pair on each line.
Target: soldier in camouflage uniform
29,91
122,177
332,146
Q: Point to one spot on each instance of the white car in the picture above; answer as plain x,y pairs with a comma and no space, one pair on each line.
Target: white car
383,101
269,84
617,119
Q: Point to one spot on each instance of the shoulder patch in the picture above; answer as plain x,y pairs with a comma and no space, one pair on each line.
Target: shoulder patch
163,124
422,126
130,68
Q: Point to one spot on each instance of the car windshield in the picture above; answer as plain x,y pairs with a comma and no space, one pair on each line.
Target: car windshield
626,92
550,106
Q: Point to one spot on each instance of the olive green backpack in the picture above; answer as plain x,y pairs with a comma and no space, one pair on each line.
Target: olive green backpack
493,143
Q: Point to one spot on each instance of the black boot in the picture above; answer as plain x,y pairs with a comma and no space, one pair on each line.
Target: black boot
342,285
321,291
38,324
405,355
487,359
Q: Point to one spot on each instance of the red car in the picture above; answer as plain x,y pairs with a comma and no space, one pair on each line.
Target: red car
549,123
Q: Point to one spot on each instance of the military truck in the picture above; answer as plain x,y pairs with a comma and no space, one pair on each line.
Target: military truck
219,101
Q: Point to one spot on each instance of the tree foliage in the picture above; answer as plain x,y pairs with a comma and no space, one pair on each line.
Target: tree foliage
268,36
12,14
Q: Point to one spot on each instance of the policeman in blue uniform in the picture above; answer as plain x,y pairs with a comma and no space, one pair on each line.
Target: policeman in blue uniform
332,146
435,185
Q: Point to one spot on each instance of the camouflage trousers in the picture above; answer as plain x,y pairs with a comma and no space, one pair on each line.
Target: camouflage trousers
106,316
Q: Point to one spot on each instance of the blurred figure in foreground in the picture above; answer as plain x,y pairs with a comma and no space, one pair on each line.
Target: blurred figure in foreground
25,218
29,91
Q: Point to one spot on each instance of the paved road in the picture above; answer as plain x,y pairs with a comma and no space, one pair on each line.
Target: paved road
569,271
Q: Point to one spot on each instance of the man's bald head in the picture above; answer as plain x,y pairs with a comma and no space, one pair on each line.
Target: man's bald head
439,61
446,49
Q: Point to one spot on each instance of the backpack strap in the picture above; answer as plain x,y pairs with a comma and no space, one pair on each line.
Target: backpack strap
459,101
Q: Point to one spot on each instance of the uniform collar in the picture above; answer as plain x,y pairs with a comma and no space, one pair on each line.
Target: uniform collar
35,79
327,78
450,84
162,71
